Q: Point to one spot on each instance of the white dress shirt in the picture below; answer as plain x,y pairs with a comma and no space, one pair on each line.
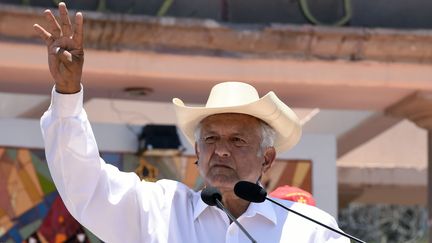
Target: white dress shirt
118,207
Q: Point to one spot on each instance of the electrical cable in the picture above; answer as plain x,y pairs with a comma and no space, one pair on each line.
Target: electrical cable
348,14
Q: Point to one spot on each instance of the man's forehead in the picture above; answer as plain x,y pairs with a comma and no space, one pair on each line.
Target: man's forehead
237,123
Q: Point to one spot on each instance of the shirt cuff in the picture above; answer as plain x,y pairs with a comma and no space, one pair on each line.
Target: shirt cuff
66,105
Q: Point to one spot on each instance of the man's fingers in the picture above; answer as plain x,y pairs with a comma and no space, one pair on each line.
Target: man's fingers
78,33
64,56
66,25
58,50
54,27
45,35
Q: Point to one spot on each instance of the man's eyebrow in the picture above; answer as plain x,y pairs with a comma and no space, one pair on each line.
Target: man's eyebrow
209,131
239,134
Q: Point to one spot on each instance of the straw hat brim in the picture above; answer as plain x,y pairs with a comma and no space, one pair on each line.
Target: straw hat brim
268,108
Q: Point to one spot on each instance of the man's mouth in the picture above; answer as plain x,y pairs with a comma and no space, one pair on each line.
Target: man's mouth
221,166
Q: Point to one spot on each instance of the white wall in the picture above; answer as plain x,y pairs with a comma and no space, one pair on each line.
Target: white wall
321,149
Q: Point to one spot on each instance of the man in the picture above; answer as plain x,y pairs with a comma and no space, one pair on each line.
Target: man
236,137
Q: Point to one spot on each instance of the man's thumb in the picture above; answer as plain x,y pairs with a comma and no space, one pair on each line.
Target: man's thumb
64,56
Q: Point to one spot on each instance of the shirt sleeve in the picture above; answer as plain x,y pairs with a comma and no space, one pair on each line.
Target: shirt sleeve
98,195
326,235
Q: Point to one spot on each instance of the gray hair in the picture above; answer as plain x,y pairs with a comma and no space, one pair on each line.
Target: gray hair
268,134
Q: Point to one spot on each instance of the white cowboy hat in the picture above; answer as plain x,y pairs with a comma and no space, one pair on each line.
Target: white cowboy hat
237,97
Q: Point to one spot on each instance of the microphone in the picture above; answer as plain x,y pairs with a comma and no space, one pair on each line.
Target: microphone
250,191
255,193
212,197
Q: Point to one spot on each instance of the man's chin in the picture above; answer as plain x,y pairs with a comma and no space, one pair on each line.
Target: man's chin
223,184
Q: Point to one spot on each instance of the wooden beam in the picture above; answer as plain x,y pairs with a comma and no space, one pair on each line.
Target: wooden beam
364,132
208,37
416,107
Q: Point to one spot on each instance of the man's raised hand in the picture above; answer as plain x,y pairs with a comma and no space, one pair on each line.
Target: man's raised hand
65,49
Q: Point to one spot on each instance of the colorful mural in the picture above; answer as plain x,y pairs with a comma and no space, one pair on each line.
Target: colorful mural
32,211
296,173
30,207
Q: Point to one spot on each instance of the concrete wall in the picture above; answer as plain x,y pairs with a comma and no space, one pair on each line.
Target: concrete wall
321,149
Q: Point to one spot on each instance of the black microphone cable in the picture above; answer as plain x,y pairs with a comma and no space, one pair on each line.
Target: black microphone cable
254,193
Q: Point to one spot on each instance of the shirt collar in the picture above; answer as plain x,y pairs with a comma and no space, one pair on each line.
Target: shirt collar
264,209
200,206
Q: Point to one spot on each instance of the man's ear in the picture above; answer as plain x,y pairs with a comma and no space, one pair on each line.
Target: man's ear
269,157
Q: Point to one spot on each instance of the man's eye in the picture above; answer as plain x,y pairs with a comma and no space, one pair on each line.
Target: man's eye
238,141
210,139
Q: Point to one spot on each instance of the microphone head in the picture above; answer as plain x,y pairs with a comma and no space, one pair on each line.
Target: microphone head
209,195
250,191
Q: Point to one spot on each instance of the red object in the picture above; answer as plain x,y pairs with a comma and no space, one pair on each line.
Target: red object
59,225
294,194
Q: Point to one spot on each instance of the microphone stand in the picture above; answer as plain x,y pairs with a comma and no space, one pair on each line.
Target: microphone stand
221,206
313,220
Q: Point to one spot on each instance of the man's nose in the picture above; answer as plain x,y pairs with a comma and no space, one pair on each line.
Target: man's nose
222,148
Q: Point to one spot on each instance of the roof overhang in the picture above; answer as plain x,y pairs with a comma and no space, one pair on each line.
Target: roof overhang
340,68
